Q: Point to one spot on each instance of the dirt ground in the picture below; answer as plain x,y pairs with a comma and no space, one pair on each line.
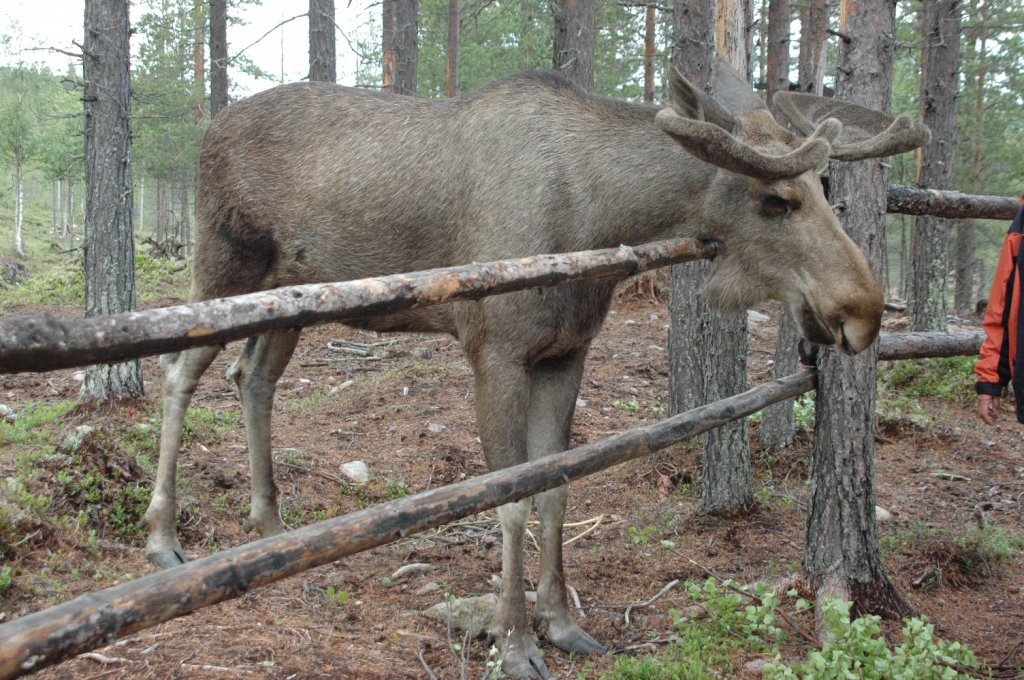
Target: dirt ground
405,409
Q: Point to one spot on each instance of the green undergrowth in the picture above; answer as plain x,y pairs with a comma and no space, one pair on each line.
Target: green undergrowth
81,479
729,624
60,280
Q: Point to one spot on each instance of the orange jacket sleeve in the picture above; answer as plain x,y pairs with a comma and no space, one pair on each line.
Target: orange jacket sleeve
996,362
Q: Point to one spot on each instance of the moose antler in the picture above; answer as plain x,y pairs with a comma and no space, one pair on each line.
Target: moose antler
866,133
711,143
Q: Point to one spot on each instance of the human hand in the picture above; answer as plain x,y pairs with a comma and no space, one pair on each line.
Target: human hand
988,407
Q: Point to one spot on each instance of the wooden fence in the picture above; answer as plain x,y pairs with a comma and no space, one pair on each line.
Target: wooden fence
33,343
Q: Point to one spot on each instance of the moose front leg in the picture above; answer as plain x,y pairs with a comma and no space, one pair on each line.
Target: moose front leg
256,373
502,398
181,376
554,387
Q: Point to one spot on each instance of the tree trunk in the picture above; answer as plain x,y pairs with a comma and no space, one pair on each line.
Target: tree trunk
707,353
322,61
185,229
967,230
218,56
727,488
453,47
70,198
199,64
109,246
650,21
777,74
940,67
574,41
813,39
19,205
778,425
162,222
841,556
400,44
693,23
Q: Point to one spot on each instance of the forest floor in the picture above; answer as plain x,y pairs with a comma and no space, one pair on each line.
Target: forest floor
405,409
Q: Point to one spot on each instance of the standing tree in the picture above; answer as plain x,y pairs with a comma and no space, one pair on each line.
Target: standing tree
574,41
650,22
778,426
813,40
704,350
218,56
842,556
940,67
322,62
109,246
452,52
19,135
400,43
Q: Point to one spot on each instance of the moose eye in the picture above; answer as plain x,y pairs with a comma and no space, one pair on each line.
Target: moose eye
773,205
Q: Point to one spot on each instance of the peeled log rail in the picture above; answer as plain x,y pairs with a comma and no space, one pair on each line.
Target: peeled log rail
912,201
42,639
893,346
45,343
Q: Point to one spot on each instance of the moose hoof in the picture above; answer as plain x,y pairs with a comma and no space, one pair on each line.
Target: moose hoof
266,526
522,659
569,637
166,558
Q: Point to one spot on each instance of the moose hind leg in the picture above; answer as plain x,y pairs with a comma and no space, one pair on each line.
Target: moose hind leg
501,399
256,373
554,388
181,375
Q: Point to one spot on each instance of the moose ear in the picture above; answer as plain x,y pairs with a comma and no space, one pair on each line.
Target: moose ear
866,133
691,102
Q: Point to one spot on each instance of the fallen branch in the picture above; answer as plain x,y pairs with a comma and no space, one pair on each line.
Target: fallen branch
657,596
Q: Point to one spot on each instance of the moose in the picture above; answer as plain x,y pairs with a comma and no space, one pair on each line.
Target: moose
315,182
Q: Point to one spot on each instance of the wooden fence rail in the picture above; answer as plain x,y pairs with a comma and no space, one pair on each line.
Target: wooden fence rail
44,638
953,204
45,343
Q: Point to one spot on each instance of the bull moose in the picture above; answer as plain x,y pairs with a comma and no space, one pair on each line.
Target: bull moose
315,182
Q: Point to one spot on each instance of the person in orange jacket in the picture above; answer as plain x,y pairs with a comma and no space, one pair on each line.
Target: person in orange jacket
1003,348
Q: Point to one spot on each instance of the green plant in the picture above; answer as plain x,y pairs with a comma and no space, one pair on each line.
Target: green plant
943,377
858,649
339,596
631,405
6,578
641,536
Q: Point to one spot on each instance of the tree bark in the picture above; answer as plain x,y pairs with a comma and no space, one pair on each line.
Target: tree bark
777,74
967,230
574,41
778,425
841,556
199,64
400,45
693,25
322,61
940,67
813,40
650,22
218,56
109,246
454,17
